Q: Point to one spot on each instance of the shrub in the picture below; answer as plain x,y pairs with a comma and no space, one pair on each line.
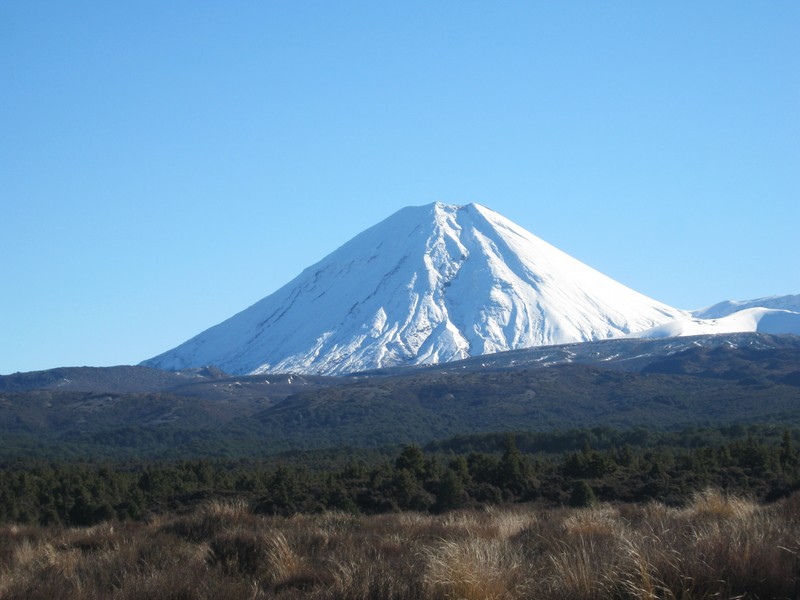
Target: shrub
582,495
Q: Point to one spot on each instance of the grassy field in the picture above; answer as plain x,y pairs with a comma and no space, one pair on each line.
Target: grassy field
714,547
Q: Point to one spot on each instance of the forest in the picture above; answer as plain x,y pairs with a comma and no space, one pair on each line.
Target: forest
575,468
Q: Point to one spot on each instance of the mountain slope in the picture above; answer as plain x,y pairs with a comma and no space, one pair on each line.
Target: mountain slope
429,284
731,378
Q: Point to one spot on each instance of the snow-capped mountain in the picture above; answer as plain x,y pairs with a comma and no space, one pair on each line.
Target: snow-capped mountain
429,284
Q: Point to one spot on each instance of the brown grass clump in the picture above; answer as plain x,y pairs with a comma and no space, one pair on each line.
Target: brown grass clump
477,569
577,569
598,521
713,504
209,520
715,547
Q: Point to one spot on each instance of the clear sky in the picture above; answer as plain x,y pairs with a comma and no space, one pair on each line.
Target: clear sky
165,164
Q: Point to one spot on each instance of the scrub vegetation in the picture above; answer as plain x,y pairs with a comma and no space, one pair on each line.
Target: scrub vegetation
592,513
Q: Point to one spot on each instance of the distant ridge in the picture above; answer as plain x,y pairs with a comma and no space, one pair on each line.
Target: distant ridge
728,307
624,383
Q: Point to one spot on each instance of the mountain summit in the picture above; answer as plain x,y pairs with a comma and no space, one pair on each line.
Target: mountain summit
429,284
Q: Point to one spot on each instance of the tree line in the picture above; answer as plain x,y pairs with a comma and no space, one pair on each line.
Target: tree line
577,468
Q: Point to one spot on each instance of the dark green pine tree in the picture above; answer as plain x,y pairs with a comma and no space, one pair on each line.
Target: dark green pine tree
582,495
514,471
450,493
788,455
412,458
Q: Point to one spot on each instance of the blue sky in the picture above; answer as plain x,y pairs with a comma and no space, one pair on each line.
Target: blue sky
164,165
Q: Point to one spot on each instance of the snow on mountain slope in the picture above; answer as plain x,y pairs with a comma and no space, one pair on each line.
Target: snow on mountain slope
758,319
429,284
723,309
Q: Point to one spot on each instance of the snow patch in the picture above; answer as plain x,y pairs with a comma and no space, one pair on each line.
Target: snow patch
761,320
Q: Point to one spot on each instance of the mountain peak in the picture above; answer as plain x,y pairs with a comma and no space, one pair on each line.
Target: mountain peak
428,284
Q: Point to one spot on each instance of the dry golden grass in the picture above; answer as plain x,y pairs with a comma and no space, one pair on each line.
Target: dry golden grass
712,504
473,570
714,547
600,520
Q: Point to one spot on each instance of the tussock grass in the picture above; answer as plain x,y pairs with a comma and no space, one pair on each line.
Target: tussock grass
473,569
597,521
577,569
712,504
716,546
